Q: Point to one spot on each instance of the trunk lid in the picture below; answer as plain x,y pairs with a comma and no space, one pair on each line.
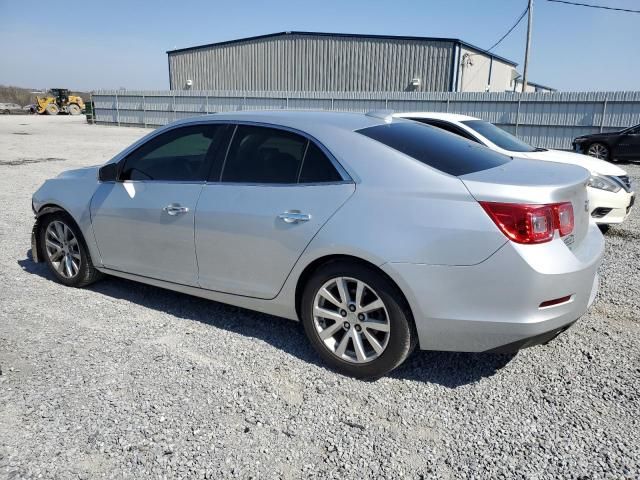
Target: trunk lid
534,182
590,163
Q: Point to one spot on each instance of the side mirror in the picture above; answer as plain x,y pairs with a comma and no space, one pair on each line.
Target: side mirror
108,173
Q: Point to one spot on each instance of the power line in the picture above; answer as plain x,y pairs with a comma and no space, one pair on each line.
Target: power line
510,30
595,6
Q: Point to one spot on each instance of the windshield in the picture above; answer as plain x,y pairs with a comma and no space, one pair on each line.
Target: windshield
498,136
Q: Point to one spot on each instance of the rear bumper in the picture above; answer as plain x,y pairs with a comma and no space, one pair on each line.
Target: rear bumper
495,305
541,339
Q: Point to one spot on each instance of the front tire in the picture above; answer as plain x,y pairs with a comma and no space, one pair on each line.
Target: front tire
599,150
65,251
357,320
52,109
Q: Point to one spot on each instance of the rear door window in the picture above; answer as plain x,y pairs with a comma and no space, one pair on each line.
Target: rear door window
264,155
438,149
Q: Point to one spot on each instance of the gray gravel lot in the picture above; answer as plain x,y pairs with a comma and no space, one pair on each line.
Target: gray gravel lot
123,380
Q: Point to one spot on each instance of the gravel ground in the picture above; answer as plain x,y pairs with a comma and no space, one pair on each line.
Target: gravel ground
124,380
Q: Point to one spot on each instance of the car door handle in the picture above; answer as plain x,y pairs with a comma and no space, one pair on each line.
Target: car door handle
175,209
294,217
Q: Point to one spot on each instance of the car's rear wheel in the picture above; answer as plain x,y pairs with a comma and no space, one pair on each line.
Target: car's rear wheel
598,150
357,320
65,251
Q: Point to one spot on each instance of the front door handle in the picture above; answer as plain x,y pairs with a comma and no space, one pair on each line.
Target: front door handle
294,216
175,209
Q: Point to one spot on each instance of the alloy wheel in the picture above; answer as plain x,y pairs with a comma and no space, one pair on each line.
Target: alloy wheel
351,320
598,150
62,249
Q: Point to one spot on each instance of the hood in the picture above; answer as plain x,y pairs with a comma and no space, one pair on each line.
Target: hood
598,135
592,164
81,172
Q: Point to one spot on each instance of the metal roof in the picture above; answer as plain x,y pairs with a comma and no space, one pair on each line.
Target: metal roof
347,35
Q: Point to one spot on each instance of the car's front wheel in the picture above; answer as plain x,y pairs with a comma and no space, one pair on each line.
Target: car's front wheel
65,251
598,150
357,320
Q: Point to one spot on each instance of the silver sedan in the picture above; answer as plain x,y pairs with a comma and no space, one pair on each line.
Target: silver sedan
379,234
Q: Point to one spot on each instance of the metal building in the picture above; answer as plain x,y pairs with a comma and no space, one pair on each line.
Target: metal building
336,62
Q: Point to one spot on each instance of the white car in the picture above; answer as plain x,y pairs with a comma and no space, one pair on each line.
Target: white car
611,193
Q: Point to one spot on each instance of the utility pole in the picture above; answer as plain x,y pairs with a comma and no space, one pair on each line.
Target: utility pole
526,53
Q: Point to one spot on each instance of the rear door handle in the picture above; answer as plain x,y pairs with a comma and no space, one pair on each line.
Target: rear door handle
294,216
175,209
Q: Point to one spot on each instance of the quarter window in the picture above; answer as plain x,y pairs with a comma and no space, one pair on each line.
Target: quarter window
317,168
179,155
264,155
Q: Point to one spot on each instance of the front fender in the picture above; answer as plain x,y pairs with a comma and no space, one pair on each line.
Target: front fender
36,250
71,192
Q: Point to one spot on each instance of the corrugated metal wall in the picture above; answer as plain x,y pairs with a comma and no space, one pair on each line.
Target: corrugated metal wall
315,63
550,120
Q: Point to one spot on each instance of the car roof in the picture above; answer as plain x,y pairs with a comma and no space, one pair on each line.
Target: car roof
449,117
315,123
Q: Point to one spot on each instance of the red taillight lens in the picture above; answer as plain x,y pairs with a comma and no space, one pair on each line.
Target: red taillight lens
564,218
524,223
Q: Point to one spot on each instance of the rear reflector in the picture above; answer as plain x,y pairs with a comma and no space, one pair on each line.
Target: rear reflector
525,223
556,301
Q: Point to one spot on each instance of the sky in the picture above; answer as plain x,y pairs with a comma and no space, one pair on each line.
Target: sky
88,45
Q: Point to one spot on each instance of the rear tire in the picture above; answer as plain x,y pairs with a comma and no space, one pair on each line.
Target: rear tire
52,109
358,338
65,251
604,227
74,109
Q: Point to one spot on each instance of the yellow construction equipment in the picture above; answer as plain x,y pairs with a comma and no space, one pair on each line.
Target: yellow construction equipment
59,100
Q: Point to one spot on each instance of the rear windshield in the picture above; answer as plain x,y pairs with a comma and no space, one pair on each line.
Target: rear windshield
498,136
432,146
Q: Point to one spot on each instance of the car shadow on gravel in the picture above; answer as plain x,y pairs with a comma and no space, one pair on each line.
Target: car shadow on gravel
448,369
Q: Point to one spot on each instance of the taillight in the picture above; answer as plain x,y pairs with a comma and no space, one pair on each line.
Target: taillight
564,218
525,223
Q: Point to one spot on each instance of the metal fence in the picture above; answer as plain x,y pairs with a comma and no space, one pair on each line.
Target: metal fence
550,120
